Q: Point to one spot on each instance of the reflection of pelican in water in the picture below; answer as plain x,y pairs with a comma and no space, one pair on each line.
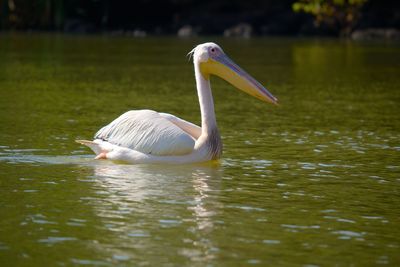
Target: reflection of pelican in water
146,136
150,197
134,182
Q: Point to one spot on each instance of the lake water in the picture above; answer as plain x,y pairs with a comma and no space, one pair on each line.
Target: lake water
312,182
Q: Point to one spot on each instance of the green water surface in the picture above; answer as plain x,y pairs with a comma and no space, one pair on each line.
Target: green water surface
312,182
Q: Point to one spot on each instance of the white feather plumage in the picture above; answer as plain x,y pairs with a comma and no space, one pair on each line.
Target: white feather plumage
148,132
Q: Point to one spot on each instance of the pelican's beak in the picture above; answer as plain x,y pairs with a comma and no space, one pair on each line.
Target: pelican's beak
222,66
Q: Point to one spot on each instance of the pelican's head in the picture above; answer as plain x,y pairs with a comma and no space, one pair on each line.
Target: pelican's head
212,60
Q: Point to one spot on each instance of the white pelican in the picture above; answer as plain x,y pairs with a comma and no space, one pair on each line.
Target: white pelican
146,136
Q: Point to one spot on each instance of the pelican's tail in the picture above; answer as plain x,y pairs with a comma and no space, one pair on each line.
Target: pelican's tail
92,145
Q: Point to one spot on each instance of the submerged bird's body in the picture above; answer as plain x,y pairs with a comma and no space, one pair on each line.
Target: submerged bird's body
146,136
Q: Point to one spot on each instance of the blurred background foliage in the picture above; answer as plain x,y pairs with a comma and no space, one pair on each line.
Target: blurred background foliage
342,15
265,17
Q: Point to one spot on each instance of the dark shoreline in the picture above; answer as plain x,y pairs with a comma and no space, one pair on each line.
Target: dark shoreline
384,34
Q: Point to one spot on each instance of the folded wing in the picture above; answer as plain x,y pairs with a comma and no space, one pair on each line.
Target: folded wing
148,132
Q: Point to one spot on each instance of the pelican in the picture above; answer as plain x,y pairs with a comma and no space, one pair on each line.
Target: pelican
147,136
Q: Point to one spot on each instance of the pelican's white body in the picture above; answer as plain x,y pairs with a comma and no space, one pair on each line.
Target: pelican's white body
146,136
149,132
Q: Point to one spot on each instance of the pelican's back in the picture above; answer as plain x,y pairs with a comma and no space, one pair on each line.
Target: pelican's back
148,132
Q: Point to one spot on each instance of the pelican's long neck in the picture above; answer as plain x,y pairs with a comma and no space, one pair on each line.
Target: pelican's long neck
208,121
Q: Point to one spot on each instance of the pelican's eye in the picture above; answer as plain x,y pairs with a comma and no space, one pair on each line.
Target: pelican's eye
212,50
